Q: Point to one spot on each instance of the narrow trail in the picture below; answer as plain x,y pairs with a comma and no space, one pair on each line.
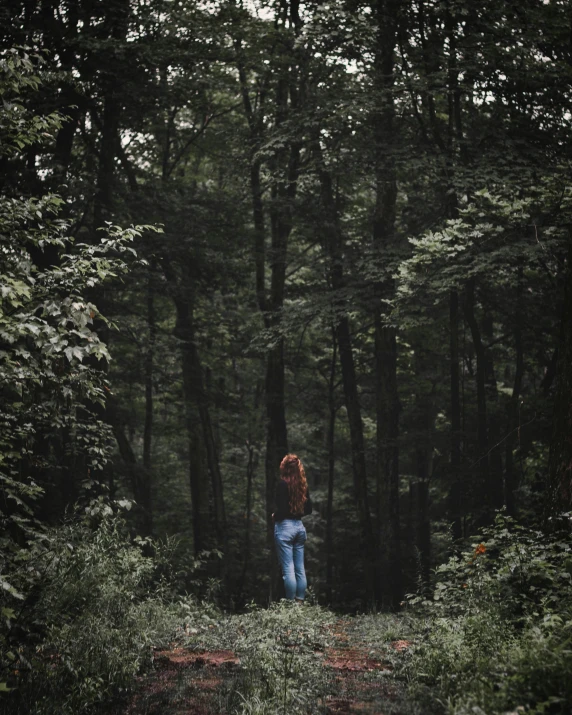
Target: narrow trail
356,677
184,682
362,676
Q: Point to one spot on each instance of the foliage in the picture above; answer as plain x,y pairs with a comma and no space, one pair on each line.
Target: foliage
53,394
280,650
167,113
499,625
97,605
388,164
49,346
282,671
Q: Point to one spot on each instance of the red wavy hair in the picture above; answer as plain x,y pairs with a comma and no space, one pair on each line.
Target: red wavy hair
292,472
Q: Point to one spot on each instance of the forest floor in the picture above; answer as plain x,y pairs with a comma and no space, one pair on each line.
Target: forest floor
329,664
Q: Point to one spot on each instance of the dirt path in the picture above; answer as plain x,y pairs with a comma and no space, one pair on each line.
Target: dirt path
355,677
184,682
363,679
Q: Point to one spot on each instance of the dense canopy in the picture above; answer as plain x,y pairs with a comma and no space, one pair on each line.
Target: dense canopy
232,230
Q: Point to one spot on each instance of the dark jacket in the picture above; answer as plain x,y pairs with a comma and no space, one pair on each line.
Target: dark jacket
282,510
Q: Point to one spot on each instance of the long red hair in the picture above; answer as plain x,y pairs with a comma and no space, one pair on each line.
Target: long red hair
292,472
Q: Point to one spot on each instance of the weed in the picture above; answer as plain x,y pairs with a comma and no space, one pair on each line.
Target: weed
496,635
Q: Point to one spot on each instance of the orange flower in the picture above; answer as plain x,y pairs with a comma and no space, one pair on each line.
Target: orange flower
481,548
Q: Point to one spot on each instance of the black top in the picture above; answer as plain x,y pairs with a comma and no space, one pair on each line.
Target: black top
282,510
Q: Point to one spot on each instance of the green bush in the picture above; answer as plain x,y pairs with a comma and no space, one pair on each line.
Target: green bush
497,634
98,606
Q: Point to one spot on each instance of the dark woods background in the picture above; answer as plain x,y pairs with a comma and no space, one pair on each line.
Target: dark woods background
366,212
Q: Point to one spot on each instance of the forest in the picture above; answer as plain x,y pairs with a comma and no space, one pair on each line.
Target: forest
236,229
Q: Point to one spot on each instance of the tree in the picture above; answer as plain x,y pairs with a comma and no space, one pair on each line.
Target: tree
54,445
559,491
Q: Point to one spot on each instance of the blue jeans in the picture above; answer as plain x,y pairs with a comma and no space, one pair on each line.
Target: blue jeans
290,537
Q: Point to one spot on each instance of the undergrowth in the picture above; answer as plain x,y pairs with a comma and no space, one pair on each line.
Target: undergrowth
281,652
494,638
96,602
497,635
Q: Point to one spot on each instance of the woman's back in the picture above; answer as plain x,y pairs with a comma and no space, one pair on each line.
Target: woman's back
283,507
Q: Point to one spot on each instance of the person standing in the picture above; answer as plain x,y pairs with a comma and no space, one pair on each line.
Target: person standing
292,503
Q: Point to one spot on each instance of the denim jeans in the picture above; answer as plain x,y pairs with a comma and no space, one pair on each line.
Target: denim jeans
290,537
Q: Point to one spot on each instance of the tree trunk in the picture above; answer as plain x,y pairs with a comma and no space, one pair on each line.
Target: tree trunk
276,430
482,461
331,469
248,515
147,505
387,400
419,494
333,241
135,471
513,422
65,138
387,411
559,487
456,493
493,422
424,424
198,477
117,22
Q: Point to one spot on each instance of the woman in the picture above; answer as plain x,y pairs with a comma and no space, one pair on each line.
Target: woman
292,503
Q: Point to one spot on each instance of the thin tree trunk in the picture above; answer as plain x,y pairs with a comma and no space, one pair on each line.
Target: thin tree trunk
248,515
455,139
387,410
387,400
65,138
135,471
148,425
212,461
259,234
424,422
333,239
469,310
496,485
331,469
456,493
276,430
419,491
196,398
513,422
559,487
482,461
198,477
117,22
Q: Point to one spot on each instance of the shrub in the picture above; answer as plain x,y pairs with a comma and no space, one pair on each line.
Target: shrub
497,633
98,605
